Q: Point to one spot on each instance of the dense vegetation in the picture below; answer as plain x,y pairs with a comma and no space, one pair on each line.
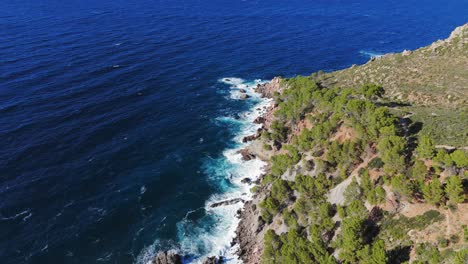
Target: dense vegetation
379,153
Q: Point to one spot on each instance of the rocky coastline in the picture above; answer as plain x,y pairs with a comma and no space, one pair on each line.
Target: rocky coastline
250,231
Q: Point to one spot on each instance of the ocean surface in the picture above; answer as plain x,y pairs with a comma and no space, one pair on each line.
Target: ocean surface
120,120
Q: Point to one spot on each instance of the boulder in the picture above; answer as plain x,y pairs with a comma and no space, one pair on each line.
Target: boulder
246,180
242,91
246,155
167,257
244,96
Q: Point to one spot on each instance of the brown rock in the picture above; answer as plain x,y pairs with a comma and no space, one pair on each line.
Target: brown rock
250,138
268,89
246,155
167,257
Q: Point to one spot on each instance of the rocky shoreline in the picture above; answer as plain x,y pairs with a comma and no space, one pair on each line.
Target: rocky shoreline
250,231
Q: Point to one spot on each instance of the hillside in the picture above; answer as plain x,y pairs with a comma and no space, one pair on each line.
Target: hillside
433,80
366,165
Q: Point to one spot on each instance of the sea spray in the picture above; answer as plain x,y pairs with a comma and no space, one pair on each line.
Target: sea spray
209,231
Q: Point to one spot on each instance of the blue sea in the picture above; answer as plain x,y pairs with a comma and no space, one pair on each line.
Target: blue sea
120,120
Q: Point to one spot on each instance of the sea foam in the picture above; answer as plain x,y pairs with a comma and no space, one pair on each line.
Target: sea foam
211,235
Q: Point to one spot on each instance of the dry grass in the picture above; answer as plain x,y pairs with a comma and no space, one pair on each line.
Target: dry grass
433,80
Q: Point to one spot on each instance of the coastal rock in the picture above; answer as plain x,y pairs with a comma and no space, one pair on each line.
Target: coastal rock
214,260
259,120
227,202
406,52
246,180
250,138
246,155
268,89
242,91
244,96
167,257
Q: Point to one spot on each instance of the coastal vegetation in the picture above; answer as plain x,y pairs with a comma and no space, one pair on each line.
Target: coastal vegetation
368,167
376,156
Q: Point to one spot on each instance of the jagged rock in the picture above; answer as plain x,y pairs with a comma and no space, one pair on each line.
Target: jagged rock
259,120
244,96
246,180
214,260
406,52
227,202
242,91
167,257
250,138
246,155
268,89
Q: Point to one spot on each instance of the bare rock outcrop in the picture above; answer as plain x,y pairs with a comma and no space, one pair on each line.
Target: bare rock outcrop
267,90
246,154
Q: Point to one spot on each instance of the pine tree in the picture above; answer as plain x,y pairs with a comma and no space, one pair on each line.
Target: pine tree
454,189
380,194
351,239
433,192
426,147
460,158
379,256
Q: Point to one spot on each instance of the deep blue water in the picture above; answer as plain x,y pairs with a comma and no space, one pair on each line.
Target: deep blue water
108,108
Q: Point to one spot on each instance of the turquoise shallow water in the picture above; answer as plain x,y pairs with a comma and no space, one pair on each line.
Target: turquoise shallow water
116,129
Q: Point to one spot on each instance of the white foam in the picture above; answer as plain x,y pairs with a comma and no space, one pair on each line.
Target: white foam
217,240
211,234
371,54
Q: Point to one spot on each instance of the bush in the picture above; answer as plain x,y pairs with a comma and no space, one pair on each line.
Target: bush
442,242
